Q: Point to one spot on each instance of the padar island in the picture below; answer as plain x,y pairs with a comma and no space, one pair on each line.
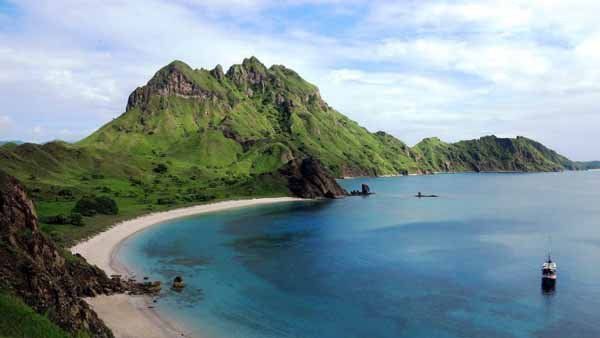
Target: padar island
187,137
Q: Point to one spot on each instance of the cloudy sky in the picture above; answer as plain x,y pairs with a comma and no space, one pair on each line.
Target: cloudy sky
453,69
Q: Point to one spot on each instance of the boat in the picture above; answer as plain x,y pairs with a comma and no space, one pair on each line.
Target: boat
420,195
549,274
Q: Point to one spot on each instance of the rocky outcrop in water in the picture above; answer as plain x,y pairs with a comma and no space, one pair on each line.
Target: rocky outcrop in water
178,283
365,190
308,179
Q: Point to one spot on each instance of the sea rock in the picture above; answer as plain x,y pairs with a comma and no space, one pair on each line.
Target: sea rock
178,283
307,178
364,191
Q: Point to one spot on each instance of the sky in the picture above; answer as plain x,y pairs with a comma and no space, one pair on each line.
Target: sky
452,69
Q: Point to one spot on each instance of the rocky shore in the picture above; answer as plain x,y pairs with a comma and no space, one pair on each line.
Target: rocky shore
45,277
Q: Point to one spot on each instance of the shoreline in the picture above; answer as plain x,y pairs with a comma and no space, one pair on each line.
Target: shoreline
134,316
463,172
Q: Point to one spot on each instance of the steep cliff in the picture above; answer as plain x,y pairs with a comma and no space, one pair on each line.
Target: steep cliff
308,179
35,270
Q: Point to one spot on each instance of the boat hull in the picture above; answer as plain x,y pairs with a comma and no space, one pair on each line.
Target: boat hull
548,283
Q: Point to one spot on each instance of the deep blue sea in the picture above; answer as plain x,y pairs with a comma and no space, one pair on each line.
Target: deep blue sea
466,264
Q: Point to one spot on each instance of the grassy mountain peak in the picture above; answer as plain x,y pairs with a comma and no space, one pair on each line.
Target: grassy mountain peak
195,135
230,118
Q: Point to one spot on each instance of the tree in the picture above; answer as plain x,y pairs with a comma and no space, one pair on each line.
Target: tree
92,205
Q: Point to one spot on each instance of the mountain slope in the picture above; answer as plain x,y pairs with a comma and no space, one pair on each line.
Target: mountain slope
33,269
490,153
252,118
193,135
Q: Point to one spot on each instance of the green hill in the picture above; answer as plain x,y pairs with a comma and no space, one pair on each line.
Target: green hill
193,135
251,120
490,153
589,165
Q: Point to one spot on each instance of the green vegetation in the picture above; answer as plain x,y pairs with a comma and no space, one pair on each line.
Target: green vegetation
160,168
74,219
18,320
92,205
194,136
588,165
490,154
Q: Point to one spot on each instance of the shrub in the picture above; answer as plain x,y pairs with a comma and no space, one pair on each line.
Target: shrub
200,198
66,194
74,219
91,205
135,181
165,201
160,168
57,219
107,205
86,206
104,189
77,219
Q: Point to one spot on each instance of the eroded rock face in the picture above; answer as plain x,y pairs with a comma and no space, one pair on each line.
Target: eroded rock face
32,267
354,171
308,179
170,81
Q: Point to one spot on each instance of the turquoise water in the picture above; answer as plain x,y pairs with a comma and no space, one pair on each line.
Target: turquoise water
466,264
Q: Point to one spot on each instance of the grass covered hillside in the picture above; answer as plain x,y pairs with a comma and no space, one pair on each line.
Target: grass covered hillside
250,120
192,136
490,153
19,320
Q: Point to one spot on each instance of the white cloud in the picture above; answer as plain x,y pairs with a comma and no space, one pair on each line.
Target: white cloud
497,62
454,69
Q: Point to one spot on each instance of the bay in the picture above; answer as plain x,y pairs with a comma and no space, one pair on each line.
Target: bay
466,264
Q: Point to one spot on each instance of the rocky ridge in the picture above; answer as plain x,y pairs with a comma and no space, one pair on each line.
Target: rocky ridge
47,278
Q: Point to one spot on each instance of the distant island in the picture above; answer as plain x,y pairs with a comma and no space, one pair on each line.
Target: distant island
11,142
192,136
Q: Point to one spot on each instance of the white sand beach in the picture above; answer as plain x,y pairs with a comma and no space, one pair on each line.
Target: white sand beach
133,316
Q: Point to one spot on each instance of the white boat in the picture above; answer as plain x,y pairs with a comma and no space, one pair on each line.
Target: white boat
548,274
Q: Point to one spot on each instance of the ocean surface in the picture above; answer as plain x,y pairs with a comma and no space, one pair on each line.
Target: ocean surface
466,264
